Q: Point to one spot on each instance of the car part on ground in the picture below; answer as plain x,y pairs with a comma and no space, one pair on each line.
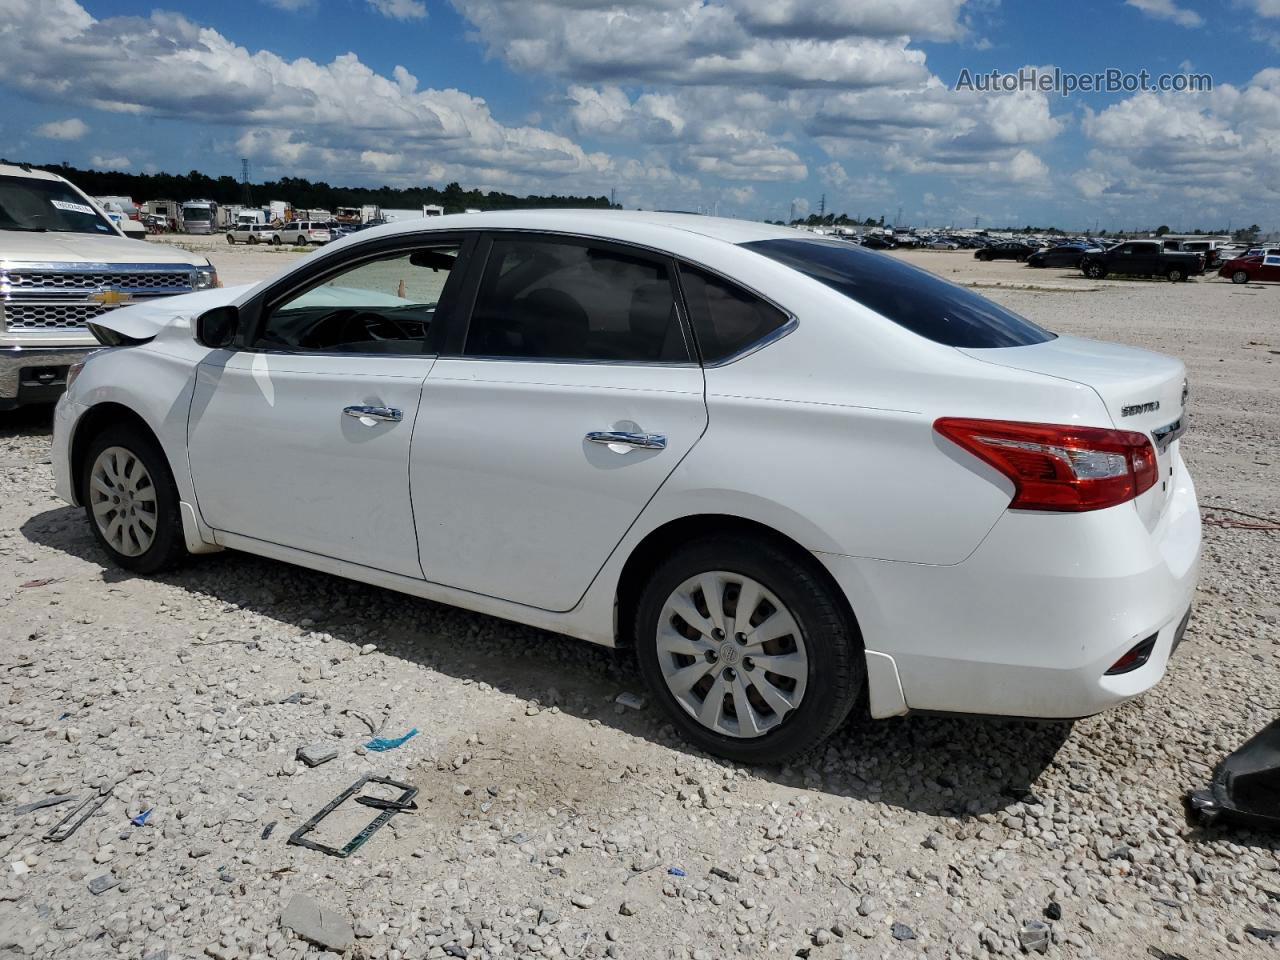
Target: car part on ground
1246,785
399,804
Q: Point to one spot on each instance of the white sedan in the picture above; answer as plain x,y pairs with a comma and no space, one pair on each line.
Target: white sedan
791,473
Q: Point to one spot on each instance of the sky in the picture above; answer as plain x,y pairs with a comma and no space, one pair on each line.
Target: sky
750,108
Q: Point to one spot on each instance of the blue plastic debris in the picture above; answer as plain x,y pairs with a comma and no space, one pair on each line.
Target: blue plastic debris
389,743
64,716
141,818
676,872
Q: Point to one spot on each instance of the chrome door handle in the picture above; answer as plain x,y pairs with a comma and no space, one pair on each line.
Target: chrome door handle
360,412
640,441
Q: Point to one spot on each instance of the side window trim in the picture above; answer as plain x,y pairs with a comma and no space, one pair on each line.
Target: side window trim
254,313
787,328
455,345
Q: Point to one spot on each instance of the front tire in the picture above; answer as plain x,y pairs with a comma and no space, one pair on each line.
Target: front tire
231,240
756,690
131,501
1176,275
1095,271
276,241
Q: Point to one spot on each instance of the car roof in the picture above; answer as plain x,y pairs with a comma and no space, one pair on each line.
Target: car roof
606,224
13,170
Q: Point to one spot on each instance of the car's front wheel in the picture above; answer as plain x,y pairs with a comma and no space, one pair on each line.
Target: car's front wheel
130,500
1176,275
1095,271
1240,276
747,647
231,240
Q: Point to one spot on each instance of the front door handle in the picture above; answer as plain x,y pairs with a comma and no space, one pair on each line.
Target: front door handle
621,438
361,412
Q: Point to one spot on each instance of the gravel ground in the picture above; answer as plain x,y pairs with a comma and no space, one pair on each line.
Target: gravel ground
553,821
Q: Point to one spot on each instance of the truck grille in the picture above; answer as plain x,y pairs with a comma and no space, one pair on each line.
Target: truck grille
62,297
49,316
172,281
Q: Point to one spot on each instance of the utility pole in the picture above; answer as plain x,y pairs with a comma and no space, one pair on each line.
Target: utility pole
822,207
613,197
246,195
976,220
793,212
897,221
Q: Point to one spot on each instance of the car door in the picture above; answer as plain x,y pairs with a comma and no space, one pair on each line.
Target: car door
302,438
1270,269
560,408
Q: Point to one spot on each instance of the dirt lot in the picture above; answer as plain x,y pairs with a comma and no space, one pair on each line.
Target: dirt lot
554,822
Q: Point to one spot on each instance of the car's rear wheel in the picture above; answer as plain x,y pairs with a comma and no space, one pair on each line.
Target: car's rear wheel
1176,275
1240,276
276,241
130,500
253,241
748,649
1095,271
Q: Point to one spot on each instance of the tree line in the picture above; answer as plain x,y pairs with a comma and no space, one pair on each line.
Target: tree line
301,193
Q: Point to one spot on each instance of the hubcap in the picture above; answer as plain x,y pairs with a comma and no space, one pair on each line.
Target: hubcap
123,499
732,654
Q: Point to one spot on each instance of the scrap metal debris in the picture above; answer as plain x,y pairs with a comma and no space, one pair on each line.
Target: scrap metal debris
78,815
398,805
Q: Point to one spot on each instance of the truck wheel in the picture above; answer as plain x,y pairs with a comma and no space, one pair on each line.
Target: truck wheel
253,241
231,240
1240,277
276,241
1095,271
1176,275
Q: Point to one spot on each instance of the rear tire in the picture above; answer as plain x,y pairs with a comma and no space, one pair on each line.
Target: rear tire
1176,275
788,712
231,240
1095,271
1240,276
276,241
130,500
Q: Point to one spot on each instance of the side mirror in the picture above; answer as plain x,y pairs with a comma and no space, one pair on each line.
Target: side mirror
217,327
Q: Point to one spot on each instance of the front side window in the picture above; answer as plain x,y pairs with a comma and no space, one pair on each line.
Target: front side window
385,305
910,297
726,319
546,299
33,205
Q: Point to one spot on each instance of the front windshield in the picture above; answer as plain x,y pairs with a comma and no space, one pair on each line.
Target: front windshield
47,205
197,213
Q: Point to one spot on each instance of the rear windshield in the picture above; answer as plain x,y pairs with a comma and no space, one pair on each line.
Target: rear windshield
910,297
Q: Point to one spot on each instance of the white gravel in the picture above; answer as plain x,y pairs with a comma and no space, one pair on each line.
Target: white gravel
555,821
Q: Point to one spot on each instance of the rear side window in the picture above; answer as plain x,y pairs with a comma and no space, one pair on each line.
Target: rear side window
910,297
726,319
546,299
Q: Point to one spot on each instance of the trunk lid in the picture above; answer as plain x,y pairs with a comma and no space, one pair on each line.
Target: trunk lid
1142,391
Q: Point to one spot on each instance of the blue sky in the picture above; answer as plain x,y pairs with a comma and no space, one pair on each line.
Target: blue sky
743,107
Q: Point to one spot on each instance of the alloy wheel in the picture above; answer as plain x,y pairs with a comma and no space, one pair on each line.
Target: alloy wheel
122,496
732,654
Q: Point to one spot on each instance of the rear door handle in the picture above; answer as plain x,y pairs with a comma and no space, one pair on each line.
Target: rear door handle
361,412
621,438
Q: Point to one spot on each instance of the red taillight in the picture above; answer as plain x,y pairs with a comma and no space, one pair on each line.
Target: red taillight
1057,466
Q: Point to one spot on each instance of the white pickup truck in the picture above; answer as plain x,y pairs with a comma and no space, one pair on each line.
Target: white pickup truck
63,263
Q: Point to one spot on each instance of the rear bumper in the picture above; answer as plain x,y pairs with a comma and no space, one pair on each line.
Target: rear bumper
36,374
1030,623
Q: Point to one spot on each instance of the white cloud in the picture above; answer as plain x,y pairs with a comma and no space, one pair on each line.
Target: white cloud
691,42
927,19
400,9
109,162
292,5
1168,10
1264,8
288,110
1203,150
73,128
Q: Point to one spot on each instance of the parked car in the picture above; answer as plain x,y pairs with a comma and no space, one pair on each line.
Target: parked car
878,241
302,232
1006,250
253,233
1064,255
1141,258
788,472
63,265
1264,269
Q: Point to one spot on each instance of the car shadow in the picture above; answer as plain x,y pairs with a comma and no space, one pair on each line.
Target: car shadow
937,765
